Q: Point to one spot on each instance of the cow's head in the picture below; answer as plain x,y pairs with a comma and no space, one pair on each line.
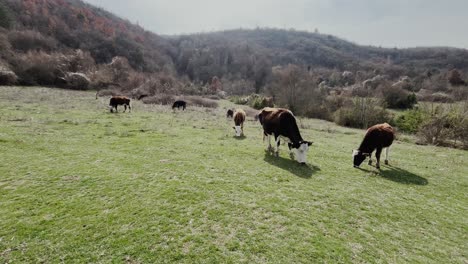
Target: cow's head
300,150
359,157
238,130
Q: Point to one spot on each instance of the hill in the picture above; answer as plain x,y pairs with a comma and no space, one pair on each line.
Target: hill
64,25
61,25
282,47
80,184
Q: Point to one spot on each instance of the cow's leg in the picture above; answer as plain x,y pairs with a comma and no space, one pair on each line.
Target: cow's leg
377,157
116,109
269,148
129,108
291,153
242,129
370,159
125,108
387,153
277,144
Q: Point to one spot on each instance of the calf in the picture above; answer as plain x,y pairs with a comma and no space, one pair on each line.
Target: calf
229,113
179,104
281,122
119,100
239,118
377,137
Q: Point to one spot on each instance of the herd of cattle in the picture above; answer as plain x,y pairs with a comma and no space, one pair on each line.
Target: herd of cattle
281,123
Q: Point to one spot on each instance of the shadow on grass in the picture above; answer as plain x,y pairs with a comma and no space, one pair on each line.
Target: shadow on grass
240,138
300,170
398,175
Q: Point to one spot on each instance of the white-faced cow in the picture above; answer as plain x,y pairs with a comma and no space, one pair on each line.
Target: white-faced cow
239,118
279,122
119,100
377,138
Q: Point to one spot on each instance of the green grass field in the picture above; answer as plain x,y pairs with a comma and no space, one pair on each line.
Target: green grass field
79,184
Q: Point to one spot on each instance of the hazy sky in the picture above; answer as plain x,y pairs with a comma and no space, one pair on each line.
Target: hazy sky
389,23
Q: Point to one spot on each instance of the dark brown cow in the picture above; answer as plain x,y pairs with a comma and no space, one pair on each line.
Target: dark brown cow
377,138
119,100
239,118
179,104
229,113
281,122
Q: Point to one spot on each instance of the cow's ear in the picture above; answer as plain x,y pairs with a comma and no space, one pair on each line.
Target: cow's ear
234,128
309,143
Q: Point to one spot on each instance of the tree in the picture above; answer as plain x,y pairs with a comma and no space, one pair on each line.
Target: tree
455,79
5,17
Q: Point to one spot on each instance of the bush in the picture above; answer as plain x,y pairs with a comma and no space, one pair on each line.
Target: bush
362,113
29,40
200,101
410,121
6,17
39,68
77,81
163,99
446,125
254,100
397,97
7,77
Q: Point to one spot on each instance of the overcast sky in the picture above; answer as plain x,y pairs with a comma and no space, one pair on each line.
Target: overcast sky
389,23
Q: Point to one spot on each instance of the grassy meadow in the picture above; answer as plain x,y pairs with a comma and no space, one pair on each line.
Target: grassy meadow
79,184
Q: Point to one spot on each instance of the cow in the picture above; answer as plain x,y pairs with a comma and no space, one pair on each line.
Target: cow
377,138
119,100
179,104
279,122
229,113
239,118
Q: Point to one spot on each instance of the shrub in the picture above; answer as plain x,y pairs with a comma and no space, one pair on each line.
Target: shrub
411,120
7,77
435,131
77,81
445,125
362,113
454,78
239,100
163,99
397,97
31,41
39,68
200,101
254,100
6,17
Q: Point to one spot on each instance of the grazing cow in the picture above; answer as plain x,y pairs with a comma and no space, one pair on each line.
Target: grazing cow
281,122
229,113
119,100
239,118
377,137
179,104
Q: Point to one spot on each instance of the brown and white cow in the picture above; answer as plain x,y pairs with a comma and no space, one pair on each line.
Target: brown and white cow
279,122
377,138
119,100
239,118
